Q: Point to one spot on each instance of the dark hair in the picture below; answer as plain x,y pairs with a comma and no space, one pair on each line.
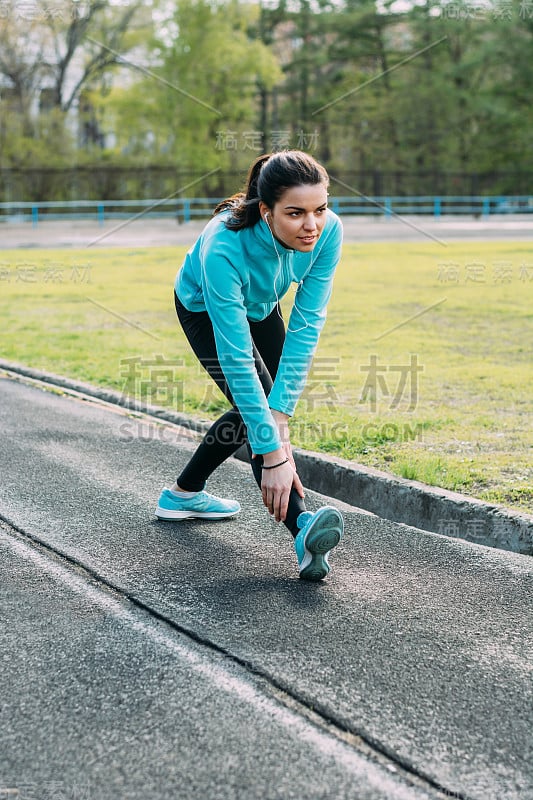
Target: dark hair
269,177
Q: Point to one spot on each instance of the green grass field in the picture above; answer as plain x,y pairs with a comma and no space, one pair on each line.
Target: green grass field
424,368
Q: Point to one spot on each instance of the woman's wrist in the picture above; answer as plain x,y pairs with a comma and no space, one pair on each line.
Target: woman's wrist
279,416
274,457
278,464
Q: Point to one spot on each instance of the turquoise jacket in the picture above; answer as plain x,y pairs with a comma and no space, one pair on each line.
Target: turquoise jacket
238,275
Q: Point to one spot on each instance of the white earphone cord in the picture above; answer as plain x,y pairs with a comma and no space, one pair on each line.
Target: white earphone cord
280,267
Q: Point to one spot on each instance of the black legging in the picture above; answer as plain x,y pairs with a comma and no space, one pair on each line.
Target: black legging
228,433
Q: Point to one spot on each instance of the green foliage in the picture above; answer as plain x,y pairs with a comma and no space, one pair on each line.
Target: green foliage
426,95
204,85
48,145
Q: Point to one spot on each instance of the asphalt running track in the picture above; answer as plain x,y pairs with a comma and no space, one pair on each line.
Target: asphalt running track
186,660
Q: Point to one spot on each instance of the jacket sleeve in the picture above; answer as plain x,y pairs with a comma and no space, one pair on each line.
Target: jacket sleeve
222,290
306,322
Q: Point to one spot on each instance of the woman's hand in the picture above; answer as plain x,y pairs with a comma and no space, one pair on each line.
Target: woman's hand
276,485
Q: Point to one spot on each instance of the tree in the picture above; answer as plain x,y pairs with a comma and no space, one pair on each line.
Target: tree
62,49
197,105
469,101
104,34
426,95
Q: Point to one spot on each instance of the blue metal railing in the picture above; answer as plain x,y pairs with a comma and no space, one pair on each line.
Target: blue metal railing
186,209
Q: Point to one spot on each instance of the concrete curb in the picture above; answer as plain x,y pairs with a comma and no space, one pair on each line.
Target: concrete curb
396,499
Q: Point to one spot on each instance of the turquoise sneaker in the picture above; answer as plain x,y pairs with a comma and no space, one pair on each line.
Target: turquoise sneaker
202,505
319,533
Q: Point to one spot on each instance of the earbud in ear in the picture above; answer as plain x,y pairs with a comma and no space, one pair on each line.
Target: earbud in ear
266,215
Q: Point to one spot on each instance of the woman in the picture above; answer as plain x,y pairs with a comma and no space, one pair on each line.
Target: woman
277,232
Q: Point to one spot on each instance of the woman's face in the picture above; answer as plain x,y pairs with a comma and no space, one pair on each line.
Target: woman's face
298,217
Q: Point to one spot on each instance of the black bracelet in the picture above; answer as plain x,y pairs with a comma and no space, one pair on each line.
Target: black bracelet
275,465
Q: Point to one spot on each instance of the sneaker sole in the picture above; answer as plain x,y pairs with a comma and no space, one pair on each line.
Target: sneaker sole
166,514
325,534
316,570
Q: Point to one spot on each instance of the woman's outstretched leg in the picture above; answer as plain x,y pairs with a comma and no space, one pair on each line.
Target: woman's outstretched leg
221,441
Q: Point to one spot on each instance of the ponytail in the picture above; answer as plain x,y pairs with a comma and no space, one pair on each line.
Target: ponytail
244,206
269,177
